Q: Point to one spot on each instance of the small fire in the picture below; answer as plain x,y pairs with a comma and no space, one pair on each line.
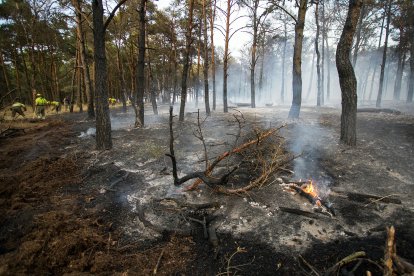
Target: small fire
310,189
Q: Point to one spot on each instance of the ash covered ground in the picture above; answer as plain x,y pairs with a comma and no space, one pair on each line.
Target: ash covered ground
67,208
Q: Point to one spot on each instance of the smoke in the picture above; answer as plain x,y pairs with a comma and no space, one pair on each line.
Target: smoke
308,140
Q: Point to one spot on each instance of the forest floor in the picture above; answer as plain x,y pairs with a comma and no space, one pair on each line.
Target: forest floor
69,209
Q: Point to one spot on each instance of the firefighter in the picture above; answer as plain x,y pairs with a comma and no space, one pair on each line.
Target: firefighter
40,104
18,108
55,106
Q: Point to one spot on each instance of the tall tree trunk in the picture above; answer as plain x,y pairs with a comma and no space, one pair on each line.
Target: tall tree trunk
79,100
253,56
347,79
197,77
297,61
84,62
398,77
358,35
186,65
103,122
282,89
121,76
328,69
410,91
375,67
6,78
205,67
311,76
151,88
226,56
138,102
384,55
213,58
318,57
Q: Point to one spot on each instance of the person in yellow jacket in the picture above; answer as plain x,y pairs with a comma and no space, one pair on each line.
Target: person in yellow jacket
40,104
55,106
18,108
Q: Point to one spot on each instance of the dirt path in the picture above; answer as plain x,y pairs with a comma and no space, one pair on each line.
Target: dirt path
67,208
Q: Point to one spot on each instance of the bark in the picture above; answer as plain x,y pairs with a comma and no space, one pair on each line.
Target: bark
282,89
375,67
410,91
103,122
213,63
297,61
151,87
205,67
121,78
347,79
226,56
253,56
384,56
138,102
84,62
186,65
358,35
318,58
328,69
311,76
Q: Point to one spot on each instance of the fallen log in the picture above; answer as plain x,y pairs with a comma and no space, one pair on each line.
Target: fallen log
299,212
379,110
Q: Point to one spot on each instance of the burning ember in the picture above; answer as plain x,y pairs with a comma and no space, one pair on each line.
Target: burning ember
310,189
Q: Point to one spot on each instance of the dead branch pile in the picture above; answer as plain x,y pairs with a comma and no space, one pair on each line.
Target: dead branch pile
262,154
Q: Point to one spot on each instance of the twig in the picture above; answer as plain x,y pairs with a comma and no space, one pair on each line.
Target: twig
344,261
380,199
158,262
389,252
309,265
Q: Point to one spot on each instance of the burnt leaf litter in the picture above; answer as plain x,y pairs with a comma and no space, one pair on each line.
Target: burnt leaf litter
69,209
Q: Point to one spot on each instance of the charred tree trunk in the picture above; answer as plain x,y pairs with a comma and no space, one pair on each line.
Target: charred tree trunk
297,61
253,56
384,55
282,89
311,76
205,67
226,56
328,69
318,57
103,122
84,62
140,81
186,65
213,63
411,78
347,79
358,35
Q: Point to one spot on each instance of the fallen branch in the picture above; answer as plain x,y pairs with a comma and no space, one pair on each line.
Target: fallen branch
309,266
348,259
381,199
238,149
158,262
299,212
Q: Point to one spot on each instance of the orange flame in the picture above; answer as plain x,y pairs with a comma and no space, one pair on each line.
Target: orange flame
310,189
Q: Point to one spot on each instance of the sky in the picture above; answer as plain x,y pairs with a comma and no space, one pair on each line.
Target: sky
238,42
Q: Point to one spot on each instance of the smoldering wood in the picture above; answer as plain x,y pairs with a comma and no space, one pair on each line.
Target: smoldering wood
299,212
312,199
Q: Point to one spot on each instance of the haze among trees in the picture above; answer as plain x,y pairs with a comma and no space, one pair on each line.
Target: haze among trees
188,53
